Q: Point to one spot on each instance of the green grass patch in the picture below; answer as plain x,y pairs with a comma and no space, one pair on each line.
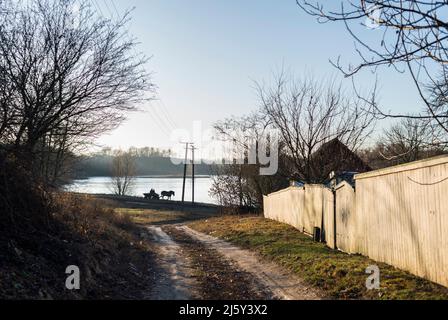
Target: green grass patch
159,217
339,275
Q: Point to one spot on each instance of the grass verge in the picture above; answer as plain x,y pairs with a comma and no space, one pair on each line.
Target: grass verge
340,275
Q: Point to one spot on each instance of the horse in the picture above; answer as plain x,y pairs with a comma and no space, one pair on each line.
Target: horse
167,194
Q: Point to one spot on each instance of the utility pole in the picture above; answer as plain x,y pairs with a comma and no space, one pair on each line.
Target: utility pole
240,173
192,172
185,170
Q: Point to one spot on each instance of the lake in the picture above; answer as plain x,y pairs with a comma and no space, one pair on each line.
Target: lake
102,185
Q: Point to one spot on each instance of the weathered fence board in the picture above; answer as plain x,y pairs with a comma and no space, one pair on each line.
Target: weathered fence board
302,208
346,219
328,216
404,217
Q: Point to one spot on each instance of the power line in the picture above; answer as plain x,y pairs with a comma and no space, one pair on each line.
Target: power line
153,113
97,6
158,121
168,115
115,7
164,121
108,9
166,118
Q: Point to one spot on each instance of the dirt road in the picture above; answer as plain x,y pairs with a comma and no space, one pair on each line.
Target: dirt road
193,265
174,275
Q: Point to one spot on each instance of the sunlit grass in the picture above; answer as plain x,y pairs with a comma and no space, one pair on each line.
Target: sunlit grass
338,274
152,216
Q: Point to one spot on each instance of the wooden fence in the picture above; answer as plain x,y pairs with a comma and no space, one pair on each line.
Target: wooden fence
346,219
301,207
397,215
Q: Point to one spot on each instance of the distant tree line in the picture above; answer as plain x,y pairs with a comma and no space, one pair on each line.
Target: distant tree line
144,152
147,161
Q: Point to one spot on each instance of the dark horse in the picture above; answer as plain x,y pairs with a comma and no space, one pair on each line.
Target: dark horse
167,194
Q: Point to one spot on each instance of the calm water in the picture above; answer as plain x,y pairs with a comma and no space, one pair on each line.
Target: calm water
102,185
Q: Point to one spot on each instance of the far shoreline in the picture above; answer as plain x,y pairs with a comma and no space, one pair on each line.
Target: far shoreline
151,177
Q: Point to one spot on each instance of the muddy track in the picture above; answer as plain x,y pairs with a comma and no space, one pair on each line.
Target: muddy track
173,278
192,265
217,277
284,284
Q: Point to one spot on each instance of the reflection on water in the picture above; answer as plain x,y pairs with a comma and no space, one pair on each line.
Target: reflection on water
102,185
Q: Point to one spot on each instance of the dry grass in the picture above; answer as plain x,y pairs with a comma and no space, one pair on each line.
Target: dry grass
340,275
90,217
114,259
42,233
155,217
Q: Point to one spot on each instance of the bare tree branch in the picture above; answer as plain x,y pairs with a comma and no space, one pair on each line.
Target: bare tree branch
309,114
415,38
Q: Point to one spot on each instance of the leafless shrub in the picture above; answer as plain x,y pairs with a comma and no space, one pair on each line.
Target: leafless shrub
87,216
240,185
123,173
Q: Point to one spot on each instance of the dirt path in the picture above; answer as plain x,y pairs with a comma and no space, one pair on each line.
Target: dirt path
283,284
192,265
173,275
218,278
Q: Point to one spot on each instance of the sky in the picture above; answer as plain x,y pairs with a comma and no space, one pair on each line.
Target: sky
207,54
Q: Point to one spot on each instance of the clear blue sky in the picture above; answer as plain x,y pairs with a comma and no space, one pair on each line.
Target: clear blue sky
207,53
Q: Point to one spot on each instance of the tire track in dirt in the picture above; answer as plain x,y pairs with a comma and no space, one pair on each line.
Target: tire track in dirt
284,284
218,277
174,276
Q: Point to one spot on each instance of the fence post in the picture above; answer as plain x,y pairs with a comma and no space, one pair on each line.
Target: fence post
323,234
334,219
333,184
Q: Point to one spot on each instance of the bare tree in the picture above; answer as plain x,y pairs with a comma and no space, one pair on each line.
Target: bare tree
309,114
410,140
232,182
240,184
414,38
65,73
123,173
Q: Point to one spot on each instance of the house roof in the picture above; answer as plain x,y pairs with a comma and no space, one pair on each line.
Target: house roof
336,156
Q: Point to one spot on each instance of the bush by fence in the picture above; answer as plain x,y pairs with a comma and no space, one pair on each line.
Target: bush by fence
397,215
